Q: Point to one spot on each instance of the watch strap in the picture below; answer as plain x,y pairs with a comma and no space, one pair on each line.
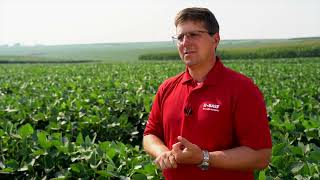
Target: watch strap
205,161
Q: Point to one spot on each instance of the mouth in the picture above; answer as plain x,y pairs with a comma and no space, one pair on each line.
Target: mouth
187,52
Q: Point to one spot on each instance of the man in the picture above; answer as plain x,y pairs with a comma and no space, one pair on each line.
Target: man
208,122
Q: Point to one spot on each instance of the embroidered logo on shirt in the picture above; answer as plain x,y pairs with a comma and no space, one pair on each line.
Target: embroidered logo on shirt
211,107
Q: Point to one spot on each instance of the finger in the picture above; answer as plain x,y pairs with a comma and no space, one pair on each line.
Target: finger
166,163
162,165
177,152
185,142
176,148
159,161
172,161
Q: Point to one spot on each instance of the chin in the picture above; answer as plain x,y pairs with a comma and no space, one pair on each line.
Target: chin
189,62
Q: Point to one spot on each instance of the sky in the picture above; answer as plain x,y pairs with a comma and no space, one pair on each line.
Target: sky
51,22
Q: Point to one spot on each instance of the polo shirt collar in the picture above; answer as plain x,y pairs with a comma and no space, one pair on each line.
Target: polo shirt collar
213,76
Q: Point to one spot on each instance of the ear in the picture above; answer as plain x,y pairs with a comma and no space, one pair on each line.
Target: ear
216,38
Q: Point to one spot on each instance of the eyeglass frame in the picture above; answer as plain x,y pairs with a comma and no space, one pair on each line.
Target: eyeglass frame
178,39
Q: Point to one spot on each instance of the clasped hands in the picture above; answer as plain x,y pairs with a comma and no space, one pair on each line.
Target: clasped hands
182,152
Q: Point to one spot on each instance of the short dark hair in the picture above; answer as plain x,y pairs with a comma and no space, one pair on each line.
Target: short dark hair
198,14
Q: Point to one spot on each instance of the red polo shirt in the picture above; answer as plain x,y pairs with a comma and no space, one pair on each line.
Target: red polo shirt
225,111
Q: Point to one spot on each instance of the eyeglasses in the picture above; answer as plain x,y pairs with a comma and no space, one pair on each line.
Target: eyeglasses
193,35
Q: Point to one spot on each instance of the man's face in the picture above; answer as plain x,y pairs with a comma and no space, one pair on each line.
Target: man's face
196,46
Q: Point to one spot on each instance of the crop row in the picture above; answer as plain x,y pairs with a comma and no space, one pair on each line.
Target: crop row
87,120
307,49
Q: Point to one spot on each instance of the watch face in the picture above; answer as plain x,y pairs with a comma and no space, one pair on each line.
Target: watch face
206,158
205,166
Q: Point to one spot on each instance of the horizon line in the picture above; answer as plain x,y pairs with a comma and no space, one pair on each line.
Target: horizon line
17,44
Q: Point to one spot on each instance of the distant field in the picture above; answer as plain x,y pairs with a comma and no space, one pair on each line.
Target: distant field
253,49
101,52
125,52
72,121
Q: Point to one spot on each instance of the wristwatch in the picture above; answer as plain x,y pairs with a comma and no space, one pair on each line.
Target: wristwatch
205,161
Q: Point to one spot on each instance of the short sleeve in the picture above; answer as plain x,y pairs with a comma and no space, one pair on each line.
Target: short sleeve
154,124
251,121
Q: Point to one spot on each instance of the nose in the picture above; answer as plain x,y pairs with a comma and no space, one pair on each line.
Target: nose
186,40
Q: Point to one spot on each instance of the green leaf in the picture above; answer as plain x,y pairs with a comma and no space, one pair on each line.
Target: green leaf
315,156
148,169
79,140
111,152
278,161
137,167
53,125
87,141
104,146
12,164
6,171
39,152
297,167
2,166
110,168
147,103
296,150
59,178
39,116
7,127
279,149
25,130
62,148
140,177
262,175
299,177
123,119
105,173
76,167
94,160
43,141
24,168
289,126
1,132
100,101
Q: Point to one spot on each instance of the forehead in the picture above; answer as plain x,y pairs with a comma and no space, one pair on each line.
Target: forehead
187,26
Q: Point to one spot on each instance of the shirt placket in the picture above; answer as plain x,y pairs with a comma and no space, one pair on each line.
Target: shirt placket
189,111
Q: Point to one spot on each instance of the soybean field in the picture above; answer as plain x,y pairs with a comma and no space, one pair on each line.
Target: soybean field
86,120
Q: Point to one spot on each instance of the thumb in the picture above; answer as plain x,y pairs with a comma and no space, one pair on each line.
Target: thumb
185,142
177,147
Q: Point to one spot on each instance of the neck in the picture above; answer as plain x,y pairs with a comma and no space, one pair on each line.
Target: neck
199,72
